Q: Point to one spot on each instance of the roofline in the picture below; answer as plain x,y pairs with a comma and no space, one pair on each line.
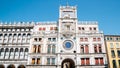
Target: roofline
113,35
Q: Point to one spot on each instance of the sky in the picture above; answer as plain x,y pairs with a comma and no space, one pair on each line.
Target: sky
106,12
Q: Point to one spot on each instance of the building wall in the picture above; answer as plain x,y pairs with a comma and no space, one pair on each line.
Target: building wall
14,44
48,42
113,44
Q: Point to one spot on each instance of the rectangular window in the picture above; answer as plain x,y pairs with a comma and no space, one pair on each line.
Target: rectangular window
40,29
79,28
117,39
112,53
94,28
49,48
111,45
48,61
99,39
86,39
95,49
38,60
94,39
55,28
81,39
119,63
44,28
117,45
101,61
51,28
114,64
100,49
53,61
53,49
82,61
118,51
86,49
33,60
82,49
96,61
87,61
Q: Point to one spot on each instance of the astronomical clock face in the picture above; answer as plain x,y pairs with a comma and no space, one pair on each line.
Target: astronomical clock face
68,44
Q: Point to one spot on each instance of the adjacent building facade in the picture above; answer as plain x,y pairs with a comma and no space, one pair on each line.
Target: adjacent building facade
14,44
66,43
113,50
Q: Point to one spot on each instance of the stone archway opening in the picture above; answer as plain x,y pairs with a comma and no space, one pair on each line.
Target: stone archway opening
11,66
21,66
2,66
68,63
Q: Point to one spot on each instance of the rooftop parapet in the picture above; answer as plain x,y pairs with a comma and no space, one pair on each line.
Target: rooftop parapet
88,22
16,23
46,23
68,6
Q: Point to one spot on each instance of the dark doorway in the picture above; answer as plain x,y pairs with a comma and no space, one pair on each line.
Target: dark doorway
2,66
21,66
11,66
68,63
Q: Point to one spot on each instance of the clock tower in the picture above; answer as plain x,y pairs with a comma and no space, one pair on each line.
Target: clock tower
67,28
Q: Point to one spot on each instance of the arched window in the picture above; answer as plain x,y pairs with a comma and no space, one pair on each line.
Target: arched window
26,53
53,49
2,53
21,53
11,50
15,38
10,38
16,50
5,38
16,53
28,38
5,35
23,38
19,38
82,49
11,53
6,53
26,49
1,35
86,49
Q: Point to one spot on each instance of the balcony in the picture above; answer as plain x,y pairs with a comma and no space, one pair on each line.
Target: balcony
38,42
